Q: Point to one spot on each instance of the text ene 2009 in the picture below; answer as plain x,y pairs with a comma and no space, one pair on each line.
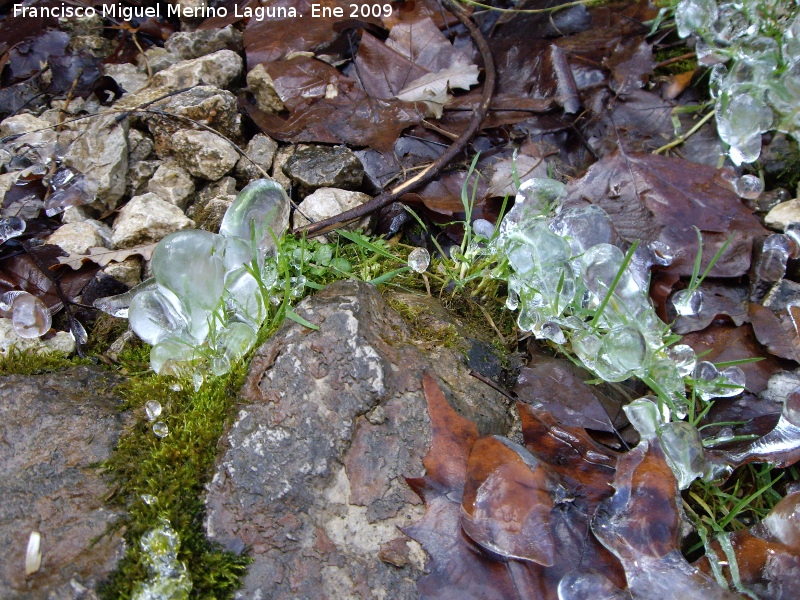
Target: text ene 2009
356,10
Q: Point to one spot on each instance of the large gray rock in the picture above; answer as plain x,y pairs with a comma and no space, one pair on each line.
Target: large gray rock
314,167
101,153
311,473
54,431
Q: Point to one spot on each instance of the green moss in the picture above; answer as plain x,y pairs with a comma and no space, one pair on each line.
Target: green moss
675,68
174,470
28,362
104,332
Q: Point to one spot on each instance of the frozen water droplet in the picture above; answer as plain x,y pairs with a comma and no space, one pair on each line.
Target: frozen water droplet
260,211
11,227
197,380
622,351
149,499
155,314
684,358
483,228
172,355
7,299
550,331
160,429
236,340
169,578
663,255
419,259
599,267
688,303
684,450
695,15
153,409
643,415
588,585
748,187
740,123
220,365
30,318
771,264
583,227
512,300
535,197
78,332
705,371
117,306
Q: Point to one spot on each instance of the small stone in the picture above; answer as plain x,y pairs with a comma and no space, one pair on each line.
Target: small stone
322,166
76,238
61,342
127,76
204,154
139,176
153,409
146,219
160,429
260,150
101,154
263,88
327,202
173,184
75,214
188,45
95,45
208,105
784,213
140,146
22,123
157,59
218,69
281,157
128,272
213,213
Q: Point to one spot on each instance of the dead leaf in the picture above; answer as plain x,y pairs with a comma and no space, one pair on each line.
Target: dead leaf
104,256
301,80
651,197
776,334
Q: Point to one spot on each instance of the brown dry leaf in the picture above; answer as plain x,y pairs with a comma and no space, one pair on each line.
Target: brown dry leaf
640,524
676,84
768,554
443,195
630,64
272,39
351,118
382,70
651,197
104,256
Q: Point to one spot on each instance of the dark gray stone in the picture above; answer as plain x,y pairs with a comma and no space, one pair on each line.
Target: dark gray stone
55,430
311,473
781,294
314,167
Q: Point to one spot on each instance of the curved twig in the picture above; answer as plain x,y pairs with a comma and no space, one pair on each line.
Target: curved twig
452,151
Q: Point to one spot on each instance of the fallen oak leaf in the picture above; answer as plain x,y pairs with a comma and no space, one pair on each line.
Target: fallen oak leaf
104,256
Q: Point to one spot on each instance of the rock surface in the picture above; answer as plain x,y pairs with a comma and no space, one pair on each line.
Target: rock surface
783,214
311,473
101,153
314,167
260,150
328,202
55,429
147,219
188,45
204,154
62,341
76,238
172,183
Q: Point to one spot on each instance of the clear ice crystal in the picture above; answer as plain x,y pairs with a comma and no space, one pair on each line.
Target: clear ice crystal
688,303
684,450
30,317
260,212
770,265
152,409
419,259
695,15
684,358
160,429
748,187
483,228
11,227
169,578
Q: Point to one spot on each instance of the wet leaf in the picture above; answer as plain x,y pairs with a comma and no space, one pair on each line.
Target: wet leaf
507,501
775,333
640,524
651,197
29,56
301,80
718,300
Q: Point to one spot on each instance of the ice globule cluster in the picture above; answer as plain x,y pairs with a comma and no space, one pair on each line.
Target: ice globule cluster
571,283
210,293
169,578
754,48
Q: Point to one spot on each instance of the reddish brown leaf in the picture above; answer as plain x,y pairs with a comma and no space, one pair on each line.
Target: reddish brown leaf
630,64
443,195
651,197
383,71
452,437
640,524
302,80
718,300
507,501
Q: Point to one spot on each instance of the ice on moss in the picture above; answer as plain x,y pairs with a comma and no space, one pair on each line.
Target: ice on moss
169,577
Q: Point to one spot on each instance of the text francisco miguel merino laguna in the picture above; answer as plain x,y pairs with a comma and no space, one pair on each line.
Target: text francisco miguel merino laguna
126,13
